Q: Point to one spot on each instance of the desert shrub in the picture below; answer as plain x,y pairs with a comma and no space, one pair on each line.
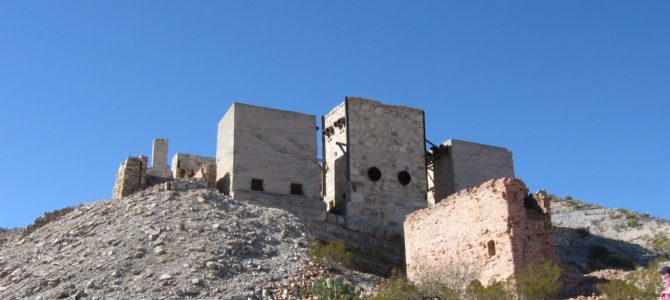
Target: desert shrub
452,278
539,282
331,254
640,284
495,291
660,243
619,290
633,222
647,280
583,231
332,289
397,288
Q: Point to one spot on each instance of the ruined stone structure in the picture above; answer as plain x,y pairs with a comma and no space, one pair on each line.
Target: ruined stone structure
187,165
374,161
262,151
455,165
497,228
375,170
159,167
131,177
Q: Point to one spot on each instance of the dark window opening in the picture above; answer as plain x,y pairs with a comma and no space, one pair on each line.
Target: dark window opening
404,177
491,245
296,189
182,173
374,174
256,184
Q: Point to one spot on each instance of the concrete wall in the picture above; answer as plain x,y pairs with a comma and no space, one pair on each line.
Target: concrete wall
463,229
225,150
131,177
186,165
460,164
276,146
390,138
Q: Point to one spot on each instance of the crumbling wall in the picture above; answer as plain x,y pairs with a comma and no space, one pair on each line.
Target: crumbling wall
187,165
131,177
457,165
494,228
207,173
159,167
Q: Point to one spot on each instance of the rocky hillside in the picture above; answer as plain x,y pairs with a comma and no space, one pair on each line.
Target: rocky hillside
155,246
592,237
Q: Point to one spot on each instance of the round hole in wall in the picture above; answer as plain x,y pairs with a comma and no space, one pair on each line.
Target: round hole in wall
374,174
404,177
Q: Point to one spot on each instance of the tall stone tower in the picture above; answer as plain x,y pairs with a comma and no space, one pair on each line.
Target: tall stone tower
374,162
159,167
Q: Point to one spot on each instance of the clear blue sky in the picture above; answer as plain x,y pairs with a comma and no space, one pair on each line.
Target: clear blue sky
579,90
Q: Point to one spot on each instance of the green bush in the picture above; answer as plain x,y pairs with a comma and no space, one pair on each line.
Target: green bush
640,284
633,223
397,288
619,290
660,243
495,291
332,289
539,282
331,254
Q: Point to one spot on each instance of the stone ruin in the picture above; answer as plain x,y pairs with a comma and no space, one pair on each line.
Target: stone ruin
374,171
495,229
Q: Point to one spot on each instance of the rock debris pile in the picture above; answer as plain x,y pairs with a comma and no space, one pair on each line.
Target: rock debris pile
169,244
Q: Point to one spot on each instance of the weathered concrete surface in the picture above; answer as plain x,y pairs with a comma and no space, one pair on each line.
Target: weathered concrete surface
159,167
387,137
131,177
494,228
275,146
459,164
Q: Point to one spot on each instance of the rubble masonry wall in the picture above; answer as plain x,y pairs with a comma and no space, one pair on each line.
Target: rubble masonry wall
488,228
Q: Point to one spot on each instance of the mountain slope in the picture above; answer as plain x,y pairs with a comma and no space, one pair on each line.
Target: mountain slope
194,243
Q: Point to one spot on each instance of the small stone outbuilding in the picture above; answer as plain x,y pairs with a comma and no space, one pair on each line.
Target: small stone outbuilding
496,229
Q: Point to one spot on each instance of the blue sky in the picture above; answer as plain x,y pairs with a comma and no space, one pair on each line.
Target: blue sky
579,90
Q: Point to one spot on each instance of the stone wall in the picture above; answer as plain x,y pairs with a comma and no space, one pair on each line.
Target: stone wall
386,171
272,149
225,150
459,164
494,228
131,177
335,164
159,167
186,165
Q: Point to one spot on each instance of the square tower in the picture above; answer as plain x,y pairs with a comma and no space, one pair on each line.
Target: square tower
262,151
374,161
